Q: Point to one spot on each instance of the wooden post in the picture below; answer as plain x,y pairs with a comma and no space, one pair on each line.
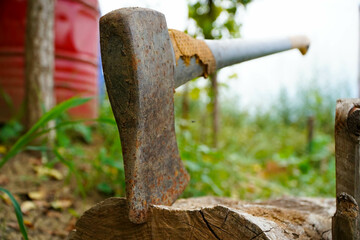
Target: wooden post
310,136
39,61
215,108
185,103
346,224
359,55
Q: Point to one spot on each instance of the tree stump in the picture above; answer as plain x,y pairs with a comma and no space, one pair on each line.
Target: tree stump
211,218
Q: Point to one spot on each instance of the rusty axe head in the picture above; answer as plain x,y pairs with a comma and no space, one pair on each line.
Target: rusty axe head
143,62
138,64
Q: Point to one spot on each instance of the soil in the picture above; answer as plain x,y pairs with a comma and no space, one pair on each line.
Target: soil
50,204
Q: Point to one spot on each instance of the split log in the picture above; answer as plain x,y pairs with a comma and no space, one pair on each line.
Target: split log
211,218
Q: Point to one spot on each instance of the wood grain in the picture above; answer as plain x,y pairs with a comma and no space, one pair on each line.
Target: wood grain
211,218
347,129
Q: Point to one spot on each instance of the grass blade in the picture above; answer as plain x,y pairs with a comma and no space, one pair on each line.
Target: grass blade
17,212
7,98
67,123
50,115
72,169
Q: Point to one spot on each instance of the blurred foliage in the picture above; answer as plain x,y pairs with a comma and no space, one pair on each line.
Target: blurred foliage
10,131
13,128
261,153
214,18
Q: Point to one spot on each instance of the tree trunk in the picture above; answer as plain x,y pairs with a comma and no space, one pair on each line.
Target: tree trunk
215,109
211,218
39,61
185,103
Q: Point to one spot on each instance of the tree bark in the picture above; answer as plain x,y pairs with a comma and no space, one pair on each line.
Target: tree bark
214,87
346,222
211,218
39,61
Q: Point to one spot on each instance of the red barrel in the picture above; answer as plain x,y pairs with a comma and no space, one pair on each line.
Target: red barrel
76,55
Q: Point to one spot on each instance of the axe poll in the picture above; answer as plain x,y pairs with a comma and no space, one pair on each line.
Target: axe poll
143,63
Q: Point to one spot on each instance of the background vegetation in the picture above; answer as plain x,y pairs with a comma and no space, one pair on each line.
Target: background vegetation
285,147
261,154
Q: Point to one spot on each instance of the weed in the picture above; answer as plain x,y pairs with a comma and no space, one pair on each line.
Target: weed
18,213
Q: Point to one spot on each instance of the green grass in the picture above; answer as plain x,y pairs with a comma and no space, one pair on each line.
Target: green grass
261,154
35,130
18,213
264,153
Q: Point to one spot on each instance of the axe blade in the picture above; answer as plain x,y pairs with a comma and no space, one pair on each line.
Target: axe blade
138,64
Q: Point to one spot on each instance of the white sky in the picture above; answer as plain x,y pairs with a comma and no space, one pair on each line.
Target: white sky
332,26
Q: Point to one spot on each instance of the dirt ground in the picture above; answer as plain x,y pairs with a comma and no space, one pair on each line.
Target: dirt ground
49,204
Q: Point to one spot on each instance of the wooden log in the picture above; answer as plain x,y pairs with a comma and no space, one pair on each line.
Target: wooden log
347,152
211,218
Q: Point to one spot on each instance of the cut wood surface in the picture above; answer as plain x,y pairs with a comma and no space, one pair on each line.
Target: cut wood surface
211,218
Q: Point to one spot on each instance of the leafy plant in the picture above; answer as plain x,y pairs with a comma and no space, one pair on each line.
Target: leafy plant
10,131
35,130
24,140
18,213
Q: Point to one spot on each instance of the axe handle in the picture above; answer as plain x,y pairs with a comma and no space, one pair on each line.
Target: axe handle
185,72
233,51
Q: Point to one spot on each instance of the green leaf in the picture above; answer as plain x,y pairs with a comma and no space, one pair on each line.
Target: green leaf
193,166
195,93
85,132
50,115
6,98
113,163
216,11
232,10
72,169
11,130
37,148
18,213
105,188
206,179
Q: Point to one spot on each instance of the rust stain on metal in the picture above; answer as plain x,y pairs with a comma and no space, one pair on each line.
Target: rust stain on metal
187,47
139,74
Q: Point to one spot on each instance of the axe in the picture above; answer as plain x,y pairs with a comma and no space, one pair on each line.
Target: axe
143,63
